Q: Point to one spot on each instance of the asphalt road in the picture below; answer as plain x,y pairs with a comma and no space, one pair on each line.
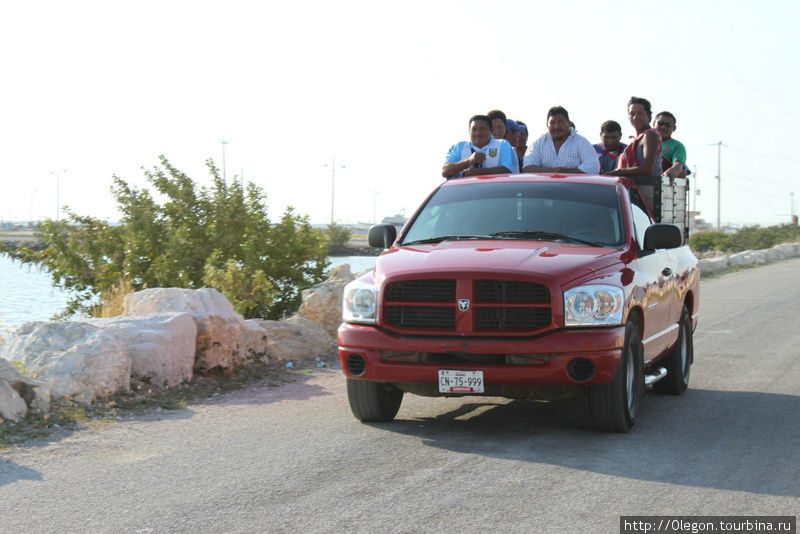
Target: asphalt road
293,459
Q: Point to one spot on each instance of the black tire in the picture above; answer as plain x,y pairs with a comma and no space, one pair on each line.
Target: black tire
373,401
613,407
679,361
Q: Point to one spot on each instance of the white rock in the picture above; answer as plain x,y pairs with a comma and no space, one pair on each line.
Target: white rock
35,394
297,338
773,254
252,342
742,259
218,325
713,265
76,360
789,250
322,304
12,406
14,386
161,345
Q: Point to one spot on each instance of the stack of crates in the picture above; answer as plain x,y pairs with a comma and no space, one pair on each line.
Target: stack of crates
668,201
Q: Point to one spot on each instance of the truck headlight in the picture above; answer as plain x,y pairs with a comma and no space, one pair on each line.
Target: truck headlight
359,303
593,305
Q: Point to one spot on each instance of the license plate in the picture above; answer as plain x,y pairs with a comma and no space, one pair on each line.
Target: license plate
458,381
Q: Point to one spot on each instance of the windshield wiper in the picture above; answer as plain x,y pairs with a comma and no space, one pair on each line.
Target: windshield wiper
547,236
444,238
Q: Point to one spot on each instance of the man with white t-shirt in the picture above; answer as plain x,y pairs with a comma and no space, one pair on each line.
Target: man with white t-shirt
482,154
561,149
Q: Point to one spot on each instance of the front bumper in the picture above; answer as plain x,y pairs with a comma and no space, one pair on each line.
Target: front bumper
601,346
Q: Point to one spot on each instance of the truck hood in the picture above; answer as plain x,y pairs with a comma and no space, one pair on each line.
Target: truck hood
560,263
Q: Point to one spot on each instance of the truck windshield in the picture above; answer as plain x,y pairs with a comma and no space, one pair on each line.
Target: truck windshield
575,213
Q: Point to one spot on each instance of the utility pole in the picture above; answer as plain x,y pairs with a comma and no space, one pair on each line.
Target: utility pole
224,174
719,182
333,182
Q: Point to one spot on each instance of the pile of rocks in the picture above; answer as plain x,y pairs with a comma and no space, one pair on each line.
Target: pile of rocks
747,258
163,337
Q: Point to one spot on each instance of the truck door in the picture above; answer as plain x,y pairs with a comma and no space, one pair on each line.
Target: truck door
655,278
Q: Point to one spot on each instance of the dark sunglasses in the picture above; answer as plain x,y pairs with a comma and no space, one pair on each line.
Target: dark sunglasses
662,123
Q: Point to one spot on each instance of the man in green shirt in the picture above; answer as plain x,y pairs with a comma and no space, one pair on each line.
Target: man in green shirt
673,156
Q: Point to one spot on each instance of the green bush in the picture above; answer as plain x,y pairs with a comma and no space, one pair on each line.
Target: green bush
219,236
338,237
748,238
704,241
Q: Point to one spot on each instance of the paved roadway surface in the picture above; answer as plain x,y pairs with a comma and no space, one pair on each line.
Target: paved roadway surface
292,459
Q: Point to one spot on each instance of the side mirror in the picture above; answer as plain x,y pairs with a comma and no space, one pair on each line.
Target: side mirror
662,235
382,235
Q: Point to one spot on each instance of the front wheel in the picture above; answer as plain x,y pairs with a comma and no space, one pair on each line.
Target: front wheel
614,406
373,401
679,361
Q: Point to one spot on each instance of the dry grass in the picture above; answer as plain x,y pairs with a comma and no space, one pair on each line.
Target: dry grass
111,300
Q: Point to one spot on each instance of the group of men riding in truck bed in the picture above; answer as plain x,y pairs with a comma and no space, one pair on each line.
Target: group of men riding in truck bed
498,145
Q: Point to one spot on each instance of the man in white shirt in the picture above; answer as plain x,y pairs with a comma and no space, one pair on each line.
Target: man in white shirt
561,149
480,155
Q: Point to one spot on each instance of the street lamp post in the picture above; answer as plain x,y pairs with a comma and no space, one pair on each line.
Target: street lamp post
58,191
224,173
333,182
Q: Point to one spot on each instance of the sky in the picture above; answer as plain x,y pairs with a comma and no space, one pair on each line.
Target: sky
91,90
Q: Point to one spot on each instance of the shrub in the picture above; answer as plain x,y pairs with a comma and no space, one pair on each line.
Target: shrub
703,241
748,238
220,236
338,237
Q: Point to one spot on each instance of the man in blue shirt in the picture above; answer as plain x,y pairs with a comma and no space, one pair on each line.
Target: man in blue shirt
482,154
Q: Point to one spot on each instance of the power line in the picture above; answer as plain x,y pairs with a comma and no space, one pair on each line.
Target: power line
762,155
763,180
755,191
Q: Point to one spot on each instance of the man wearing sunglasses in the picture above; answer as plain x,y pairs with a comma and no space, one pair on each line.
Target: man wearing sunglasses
673,157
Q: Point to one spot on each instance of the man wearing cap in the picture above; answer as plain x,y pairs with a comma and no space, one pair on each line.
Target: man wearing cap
561,149
482,154
522,141
514,132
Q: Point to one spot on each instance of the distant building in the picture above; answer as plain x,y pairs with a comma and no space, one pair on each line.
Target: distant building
396,220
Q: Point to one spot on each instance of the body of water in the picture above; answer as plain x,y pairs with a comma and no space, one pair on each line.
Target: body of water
26,294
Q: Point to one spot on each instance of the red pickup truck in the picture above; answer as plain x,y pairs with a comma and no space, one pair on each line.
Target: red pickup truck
525,286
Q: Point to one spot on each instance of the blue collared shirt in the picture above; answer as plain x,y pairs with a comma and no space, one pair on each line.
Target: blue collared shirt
504,154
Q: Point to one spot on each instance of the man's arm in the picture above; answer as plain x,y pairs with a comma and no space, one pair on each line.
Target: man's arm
480,171
508,157
650,152
678,169
452,165
565,170
589,163
532,162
